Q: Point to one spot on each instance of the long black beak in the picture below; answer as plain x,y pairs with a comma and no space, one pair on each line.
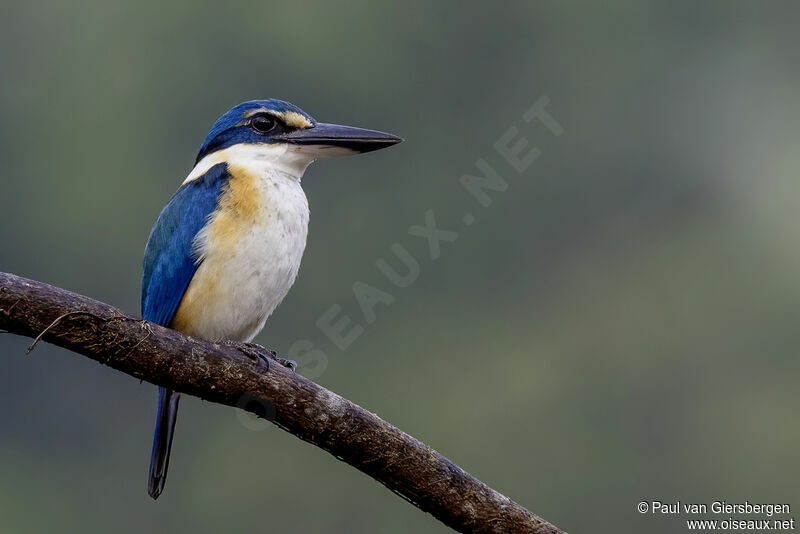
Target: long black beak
357,140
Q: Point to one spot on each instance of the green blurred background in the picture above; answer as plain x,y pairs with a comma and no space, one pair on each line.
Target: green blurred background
620,325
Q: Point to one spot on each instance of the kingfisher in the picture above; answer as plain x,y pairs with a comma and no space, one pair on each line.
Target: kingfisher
227,247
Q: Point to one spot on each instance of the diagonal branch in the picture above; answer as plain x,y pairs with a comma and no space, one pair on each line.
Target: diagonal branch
234,376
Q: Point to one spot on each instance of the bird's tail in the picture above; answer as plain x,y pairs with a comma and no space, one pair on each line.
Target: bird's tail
162,440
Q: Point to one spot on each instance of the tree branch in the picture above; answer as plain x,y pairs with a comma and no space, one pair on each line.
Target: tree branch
237,376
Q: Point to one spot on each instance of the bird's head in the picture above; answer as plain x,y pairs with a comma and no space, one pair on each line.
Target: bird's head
275,126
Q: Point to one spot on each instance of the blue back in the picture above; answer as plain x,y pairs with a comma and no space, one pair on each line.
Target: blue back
169,259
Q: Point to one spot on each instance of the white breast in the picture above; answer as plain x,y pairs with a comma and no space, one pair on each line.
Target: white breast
252,246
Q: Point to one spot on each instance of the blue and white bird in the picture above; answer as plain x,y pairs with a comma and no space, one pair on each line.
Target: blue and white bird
227,247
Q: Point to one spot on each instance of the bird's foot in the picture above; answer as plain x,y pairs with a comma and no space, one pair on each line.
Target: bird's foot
261,355
291,364
254,352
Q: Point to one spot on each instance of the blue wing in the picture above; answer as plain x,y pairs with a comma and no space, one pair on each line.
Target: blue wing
169,261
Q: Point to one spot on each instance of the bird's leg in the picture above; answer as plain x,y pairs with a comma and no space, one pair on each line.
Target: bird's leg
261,349
291,364
254,352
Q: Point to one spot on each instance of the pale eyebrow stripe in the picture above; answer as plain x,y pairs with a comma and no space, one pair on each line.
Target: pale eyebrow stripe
290,118
250,112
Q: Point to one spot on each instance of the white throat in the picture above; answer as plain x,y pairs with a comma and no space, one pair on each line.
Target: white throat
275,158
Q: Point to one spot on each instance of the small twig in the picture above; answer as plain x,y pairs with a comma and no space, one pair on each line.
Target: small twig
145,338
58,319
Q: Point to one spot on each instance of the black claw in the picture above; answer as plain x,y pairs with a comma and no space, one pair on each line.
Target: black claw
261,355
253,351
291,364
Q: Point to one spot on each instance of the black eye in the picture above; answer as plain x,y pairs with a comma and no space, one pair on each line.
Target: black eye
262,125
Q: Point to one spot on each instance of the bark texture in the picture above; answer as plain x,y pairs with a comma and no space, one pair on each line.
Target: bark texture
251,379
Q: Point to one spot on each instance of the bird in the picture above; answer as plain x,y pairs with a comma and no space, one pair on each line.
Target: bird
227,247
